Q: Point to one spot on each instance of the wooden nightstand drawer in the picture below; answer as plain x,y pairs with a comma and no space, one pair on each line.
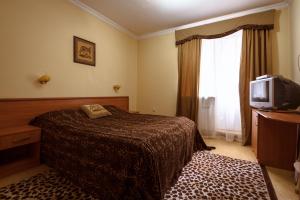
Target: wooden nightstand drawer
10,141
19,148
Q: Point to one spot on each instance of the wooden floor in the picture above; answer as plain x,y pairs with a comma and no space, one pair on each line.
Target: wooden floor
282,180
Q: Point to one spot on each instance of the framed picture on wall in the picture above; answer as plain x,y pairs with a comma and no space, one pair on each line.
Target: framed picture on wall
84,51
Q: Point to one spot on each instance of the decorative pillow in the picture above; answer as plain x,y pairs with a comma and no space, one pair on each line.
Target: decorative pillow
95,111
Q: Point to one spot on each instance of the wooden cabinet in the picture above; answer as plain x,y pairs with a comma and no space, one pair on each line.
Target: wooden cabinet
19,149
254,131
275,138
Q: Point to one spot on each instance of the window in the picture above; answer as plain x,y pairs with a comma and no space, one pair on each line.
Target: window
219,84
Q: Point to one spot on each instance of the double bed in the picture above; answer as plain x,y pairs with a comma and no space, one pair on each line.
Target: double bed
121,156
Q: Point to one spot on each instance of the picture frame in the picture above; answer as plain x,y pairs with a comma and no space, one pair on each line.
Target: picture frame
84,51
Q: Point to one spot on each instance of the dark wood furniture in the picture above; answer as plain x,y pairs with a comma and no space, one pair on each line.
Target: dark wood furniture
19,149
275,138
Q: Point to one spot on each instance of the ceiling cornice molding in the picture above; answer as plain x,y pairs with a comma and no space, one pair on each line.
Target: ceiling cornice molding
158,33
120,28
103,18
216,19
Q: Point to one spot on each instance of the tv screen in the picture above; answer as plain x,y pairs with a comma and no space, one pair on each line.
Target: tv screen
260,91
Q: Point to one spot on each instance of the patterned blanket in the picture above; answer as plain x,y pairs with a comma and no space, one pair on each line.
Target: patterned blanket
122,156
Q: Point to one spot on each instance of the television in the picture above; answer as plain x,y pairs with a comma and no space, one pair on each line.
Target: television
274,92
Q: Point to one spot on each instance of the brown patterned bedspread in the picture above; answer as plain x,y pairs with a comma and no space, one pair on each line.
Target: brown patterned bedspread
122,156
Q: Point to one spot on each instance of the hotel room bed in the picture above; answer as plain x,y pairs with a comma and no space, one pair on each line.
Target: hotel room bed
122,156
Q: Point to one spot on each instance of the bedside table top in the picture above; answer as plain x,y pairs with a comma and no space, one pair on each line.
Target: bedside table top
18,129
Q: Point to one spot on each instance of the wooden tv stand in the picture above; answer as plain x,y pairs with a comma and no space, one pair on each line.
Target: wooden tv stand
275,138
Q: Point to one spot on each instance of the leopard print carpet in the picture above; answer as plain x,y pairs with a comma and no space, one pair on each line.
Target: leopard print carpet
212,176
207,176
45,186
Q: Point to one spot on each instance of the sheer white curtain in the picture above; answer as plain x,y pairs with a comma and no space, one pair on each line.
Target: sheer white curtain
219,110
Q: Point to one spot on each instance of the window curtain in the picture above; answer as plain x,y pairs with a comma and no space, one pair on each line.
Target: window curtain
206,116
226,27
219,111
255,61
188,79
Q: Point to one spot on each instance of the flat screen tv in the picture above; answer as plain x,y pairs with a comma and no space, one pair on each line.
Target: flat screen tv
274,92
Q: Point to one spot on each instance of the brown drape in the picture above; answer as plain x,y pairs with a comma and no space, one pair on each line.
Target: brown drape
256,60
188,79
217,28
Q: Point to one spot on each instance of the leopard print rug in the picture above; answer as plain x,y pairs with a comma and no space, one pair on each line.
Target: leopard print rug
207,176
212,176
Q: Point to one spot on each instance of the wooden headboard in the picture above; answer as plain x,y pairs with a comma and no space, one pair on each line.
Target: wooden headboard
19,112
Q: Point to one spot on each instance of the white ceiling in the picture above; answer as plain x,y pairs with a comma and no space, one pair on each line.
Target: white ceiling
146,16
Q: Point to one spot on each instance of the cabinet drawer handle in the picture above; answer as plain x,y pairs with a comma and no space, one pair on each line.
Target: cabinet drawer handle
21,140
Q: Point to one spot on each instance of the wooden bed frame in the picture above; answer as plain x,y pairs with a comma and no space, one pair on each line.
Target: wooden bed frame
19,112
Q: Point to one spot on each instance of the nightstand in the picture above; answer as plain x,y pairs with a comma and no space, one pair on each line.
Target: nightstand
19,149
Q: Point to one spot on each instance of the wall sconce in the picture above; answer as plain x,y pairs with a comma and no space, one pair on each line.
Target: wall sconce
116,88
44,79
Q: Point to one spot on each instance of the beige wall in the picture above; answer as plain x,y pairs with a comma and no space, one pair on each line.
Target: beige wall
281,44
37,38
157,75
295,37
